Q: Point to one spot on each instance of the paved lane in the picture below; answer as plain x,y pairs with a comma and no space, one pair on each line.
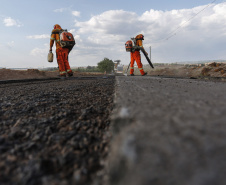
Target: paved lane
168,131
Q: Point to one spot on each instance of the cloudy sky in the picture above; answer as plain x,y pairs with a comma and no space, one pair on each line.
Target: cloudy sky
176,30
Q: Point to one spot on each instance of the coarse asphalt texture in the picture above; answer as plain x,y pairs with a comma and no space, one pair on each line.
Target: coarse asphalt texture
53,131
160,131
168,132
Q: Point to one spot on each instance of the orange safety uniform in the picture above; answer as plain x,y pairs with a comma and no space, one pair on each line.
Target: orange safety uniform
61,53
135,56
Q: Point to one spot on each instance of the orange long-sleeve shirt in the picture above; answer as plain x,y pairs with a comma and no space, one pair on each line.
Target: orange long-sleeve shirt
139,42
55,37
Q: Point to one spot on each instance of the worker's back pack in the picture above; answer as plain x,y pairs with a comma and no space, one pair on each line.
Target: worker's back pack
66,39
129,46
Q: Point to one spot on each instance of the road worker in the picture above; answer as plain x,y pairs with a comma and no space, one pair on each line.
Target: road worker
135,56
61,53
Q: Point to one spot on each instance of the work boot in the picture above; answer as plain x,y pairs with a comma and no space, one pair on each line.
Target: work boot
131,74
70,74
62,77
145,74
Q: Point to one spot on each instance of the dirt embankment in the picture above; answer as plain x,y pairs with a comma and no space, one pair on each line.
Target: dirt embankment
210,70
8,74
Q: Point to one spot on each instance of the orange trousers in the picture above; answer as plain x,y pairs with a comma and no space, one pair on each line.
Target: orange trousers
135,56
62,60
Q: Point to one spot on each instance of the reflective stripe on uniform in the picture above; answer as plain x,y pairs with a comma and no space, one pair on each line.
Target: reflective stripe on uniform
63,72
131,67
140,68
68,70
52,38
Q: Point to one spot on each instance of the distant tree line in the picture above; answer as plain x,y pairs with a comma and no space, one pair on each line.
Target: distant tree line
50,69
87,69
106,65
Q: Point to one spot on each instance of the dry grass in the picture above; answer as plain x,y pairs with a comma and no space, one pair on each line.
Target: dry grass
211,70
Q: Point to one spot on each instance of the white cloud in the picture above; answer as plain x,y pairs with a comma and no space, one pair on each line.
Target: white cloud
40,52
76,36
76,13
109,22
10,44
37,51
43,36
8,21
177,35
72,31
60,10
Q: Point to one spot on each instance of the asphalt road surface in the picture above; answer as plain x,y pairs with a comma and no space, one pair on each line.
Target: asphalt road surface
168,132
54,132
164,132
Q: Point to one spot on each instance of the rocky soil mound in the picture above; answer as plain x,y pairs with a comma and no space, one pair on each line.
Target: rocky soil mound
54,132
214,70
8,74
211,70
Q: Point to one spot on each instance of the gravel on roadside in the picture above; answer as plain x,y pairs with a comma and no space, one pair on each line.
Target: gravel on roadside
54,132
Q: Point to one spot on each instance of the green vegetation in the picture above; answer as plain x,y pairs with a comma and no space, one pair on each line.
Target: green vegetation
106,65
87,69
50,69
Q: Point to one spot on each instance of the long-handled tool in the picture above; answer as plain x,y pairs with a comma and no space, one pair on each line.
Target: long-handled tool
146,56
127,69
135,47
